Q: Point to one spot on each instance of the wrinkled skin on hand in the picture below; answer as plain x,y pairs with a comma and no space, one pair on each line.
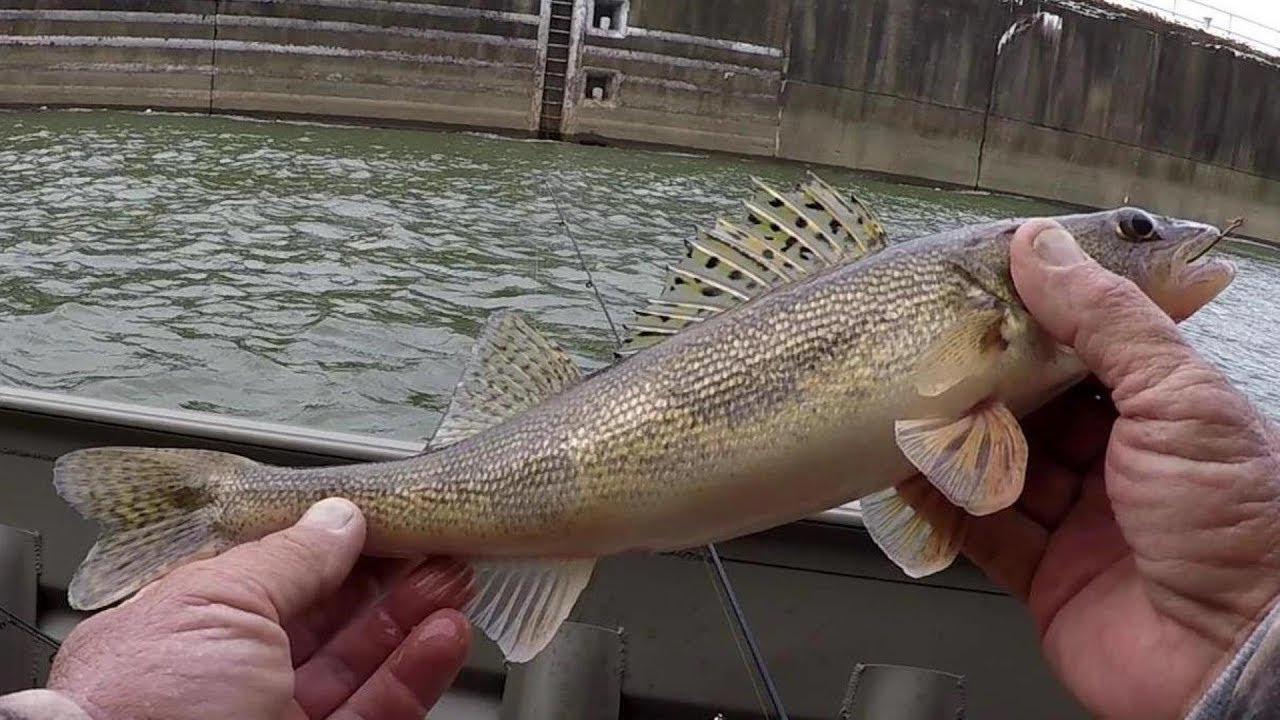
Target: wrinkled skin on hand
292,626
1147,542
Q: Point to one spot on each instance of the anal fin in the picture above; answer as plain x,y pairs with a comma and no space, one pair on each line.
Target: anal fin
913,543
978,461
520,604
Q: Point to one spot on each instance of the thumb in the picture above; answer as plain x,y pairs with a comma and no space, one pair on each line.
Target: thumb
291,569
1120,335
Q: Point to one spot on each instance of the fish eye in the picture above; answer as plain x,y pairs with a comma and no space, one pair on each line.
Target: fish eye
1136,225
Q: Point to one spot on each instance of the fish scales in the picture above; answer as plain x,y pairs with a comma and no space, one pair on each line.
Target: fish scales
624,453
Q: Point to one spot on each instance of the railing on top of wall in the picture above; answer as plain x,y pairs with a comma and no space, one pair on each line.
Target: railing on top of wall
1217,21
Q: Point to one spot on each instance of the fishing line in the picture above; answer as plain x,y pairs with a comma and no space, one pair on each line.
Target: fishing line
722,578
582,260
32,631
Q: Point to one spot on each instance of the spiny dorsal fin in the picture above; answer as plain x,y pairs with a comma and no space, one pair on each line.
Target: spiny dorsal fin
512,368
784,238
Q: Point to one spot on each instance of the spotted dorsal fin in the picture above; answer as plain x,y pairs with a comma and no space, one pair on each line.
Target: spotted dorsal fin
512,368
783,238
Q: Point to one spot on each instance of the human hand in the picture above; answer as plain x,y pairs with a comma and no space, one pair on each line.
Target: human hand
1147,541
290,626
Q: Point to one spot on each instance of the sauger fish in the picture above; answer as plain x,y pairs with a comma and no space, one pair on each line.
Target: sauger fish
794,361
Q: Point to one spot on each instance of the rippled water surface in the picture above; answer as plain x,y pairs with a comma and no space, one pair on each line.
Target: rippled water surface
334,277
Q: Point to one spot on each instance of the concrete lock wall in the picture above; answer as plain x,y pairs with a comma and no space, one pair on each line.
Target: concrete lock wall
1112,106
468,63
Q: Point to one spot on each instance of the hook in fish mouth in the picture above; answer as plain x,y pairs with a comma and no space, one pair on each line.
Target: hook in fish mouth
1194,279
1200,250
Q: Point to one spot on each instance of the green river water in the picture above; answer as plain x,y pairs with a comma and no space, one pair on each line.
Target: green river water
334,277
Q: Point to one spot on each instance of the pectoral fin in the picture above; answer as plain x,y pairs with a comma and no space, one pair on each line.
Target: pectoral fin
966,349
978,461
907,538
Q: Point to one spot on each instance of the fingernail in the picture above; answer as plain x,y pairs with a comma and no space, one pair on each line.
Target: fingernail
329,514
441,628
1057,248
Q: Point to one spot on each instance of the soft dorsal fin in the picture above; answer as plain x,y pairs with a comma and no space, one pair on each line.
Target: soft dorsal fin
784,238
512,368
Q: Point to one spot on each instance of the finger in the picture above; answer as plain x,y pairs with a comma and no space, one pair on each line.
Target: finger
282,574
413,679
342,665
1118,332
1087,543
367,582
1008,547
1074,428
1050,491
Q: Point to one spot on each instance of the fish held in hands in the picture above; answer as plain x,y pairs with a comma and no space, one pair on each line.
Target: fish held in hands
795,360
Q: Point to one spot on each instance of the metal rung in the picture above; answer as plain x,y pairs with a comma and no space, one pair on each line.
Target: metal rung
898,692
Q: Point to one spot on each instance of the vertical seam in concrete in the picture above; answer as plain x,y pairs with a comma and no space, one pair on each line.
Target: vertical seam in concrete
573,68
213,53
1153,68
986,116
540,66
782,78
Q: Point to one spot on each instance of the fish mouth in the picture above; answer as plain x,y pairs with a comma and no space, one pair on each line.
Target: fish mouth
1194,278
1205,240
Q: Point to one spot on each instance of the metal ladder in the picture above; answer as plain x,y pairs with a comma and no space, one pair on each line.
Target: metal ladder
555,68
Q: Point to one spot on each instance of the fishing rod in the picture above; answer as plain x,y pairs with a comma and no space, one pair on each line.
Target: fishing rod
720,575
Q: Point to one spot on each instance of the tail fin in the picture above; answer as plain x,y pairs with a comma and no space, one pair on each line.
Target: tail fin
156,506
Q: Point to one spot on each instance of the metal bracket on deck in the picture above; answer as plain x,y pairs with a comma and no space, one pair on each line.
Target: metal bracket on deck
900,692
24,659
579,675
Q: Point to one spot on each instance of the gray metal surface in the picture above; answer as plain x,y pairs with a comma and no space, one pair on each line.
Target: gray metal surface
897,692
21,654
578,676
820,596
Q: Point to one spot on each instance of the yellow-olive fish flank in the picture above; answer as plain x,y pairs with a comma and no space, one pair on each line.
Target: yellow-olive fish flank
794,361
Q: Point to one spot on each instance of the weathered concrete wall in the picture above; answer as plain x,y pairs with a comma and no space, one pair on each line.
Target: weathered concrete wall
1111,107
465,63
1117,109
705,75
73,53
897,86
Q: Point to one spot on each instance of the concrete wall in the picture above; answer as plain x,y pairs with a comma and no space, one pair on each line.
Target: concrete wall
1120,109
1113,107
466,63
